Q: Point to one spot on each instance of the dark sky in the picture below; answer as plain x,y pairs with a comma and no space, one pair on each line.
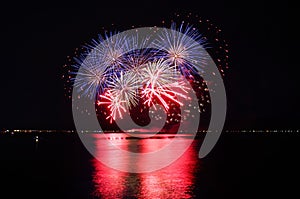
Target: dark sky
262,85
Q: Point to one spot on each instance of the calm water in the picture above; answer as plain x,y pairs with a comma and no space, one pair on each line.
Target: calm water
58,166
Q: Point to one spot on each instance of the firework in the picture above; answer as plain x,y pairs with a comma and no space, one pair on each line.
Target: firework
182,46
158,79
109,50
124,71
124,87
90,77
114,104
158,74
134,63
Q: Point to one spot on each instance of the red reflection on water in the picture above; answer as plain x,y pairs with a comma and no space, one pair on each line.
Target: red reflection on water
174,181
109,183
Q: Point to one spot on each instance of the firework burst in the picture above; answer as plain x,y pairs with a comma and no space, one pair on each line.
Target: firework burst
182,46
124,87
109,50
90,76
158,74
114,104
158,79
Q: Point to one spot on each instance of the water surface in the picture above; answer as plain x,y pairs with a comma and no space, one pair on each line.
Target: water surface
58,166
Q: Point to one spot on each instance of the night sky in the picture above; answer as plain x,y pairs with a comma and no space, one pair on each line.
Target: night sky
261,84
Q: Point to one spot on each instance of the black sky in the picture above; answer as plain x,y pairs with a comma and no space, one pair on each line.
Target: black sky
262,85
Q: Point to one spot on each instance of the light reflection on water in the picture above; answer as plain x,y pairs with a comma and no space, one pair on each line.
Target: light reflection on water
174,181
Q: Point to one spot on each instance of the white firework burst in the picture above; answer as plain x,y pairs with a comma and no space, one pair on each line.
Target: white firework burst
159,74
184,47
124,87
90,76
110,50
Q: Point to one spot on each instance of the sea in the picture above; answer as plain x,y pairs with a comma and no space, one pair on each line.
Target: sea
58,165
